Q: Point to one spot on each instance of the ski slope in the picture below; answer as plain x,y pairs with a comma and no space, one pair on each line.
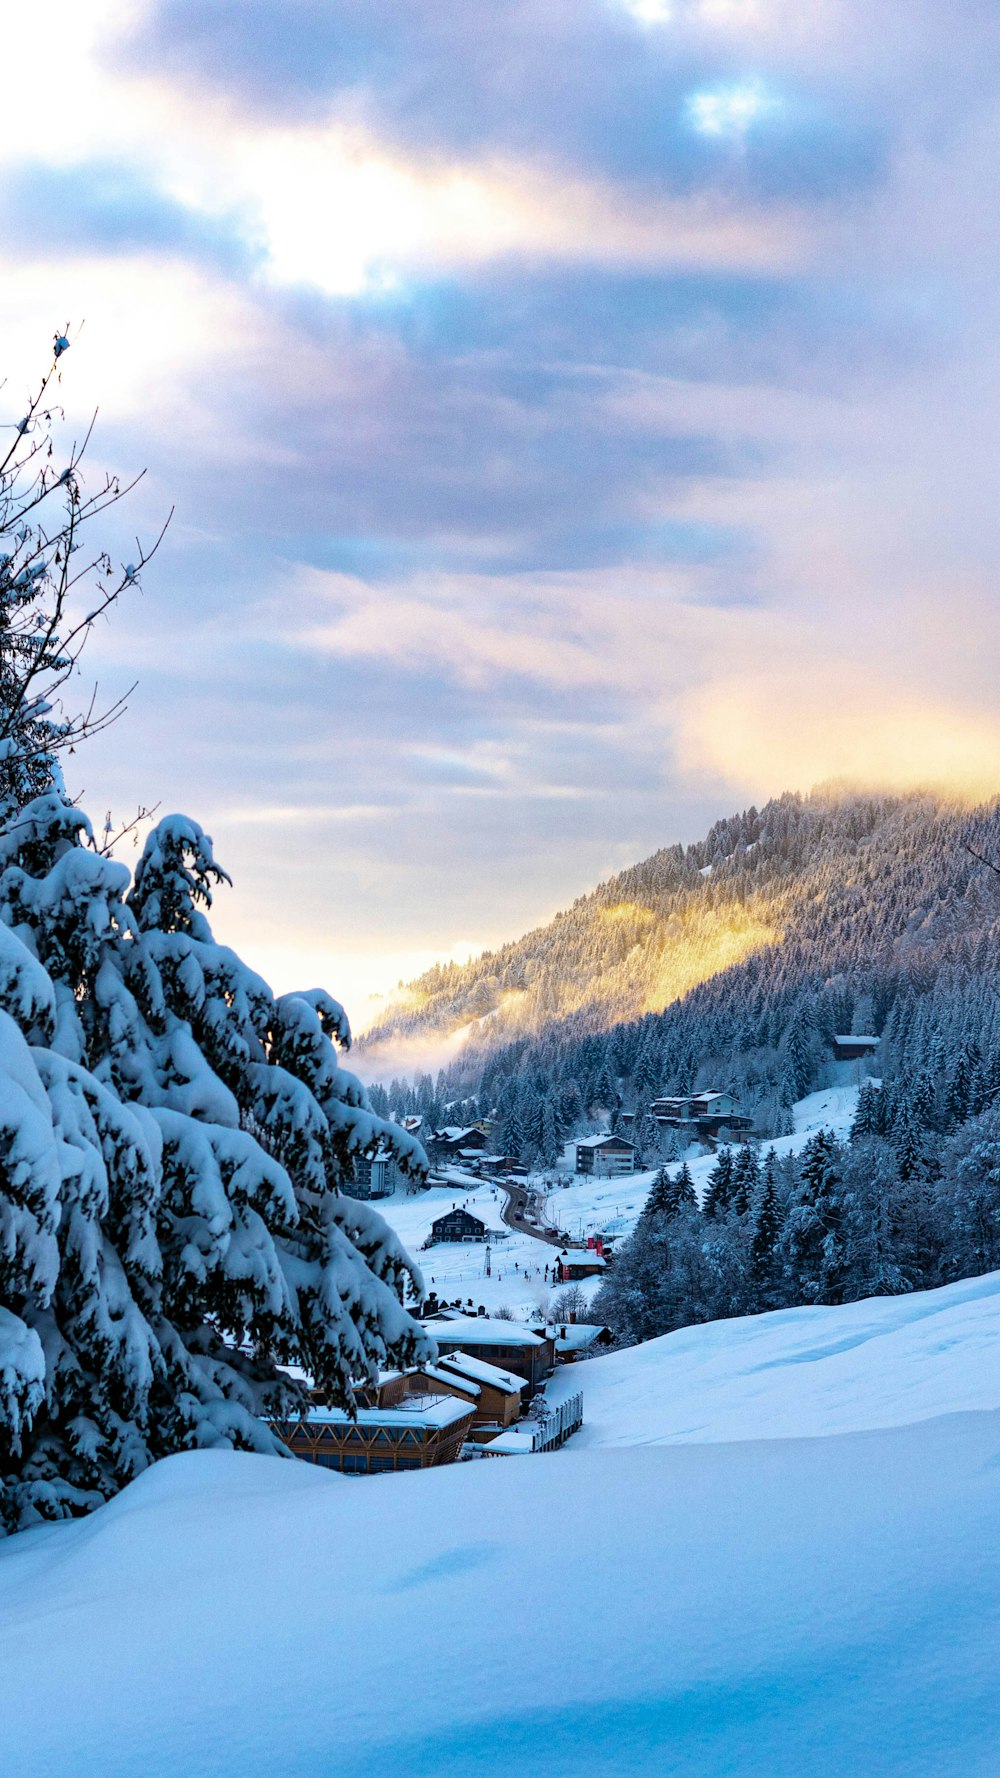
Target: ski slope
457,1269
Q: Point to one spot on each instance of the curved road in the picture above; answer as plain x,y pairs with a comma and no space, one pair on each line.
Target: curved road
515,1214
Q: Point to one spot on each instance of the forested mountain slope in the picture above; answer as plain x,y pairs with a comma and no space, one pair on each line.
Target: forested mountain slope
810,887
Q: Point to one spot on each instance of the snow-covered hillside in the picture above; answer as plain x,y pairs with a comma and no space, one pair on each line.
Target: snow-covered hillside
889,1361
747,1610
579,1206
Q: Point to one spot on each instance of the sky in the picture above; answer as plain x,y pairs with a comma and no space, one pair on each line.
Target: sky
581,419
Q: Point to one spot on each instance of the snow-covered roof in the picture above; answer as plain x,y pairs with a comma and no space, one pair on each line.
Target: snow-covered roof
481,1330
421,1410
582,1256
579,1337
703,1098
855,1037
437,1374
464,1365
602,1141
511,1444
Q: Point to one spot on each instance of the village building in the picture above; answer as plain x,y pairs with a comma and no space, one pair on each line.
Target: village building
495,1395
575,1264
457,1225
398,1429
700,1117
375,1176
853,1048
527,1352
605,1157
457,1143
581,1339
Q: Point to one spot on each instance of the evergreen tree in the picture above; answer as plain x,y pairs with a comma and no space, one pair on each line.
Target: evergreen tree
172,1137
745,1179
814,1232
668,1197
719,1190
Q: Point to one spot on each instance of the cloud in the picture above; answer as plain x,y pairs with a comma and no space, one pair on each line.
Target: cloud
549,474
776,733
730,112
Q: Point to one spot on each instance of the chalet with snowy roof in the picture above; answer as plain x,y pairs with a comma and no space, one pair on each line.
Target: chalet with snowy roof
854,1048
400,1426
495,1395
458,1225
701,1116
575,1264
528,1353
581,1339
605,1157
457,1143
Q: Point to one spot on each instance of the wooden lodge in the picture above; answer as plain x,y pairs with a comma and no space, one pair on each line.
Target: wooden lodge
578,1263
582,1339
854,1048
414,1431
529,1353
495,1395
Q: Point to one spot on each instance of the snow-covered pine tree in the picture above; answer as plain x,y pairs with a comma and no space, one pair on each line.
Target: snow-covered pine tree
668,1197
763,1268
171,1134
719,1190
814,1228
746,1179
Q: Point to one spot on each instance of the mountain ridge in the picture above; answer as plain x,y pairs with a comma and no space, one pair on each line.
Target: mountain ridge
812,871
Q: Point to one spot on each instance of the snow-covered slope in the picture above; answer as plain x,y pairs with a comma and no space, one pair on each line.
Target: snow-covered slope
888,1361
739,1611
762,1608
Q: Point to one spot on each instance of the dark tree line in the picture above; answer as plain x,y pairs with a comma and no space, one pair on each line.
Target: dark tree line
884,1213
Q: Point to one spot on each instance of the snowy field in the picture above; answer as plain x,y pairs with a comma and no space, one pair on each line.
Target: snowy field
813,1373
580,1208
457,1269
761,1608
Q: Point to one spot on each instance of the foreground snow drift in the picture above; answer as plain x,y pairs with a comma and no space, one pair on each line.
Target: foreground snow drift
762,1610
887,1361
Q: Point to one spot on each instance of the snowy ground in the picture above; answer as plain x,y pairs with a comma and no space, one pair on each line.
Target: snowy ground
772,1551
763,1608
457,1269
580,1207
810,1373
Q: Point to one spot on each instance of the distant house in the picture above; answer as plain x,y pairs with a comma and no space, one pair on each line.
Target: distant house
375,1176
458,1225
701,1116
605,1157
455,1140
527,1352
853,1048
577,1339
577,1264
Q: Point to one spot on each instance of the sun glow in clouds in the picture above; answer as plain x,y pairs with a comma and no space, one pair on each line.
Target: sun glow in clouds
650,12
728,112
